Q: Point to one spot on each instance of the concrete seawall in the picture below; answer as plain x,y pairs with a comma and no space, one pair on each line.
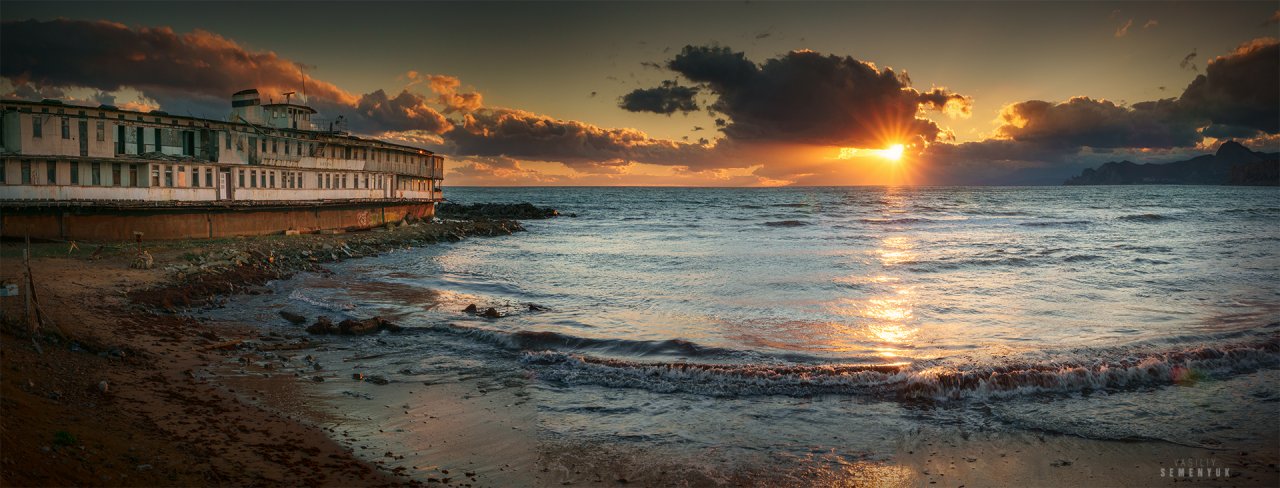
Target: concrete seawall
118,223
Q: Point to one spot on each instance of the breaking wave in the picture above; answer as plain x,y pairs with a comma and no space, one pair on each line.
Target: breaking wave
786,223
1146,217
922,382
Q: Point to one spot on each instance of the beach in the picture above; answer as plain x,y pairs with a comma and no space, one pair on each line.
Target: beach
209,381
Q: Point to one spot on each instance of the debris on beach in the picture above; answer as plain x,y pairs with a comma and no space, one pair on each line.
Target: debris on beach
324,325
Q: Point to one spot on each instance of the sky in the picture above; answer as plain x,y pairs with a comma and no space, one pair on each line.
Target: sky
698,94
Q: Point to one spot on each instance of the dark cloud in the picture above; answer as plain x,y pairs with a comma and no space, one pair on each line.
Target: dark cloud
1272,20
1240,89
1083,121
406,111
188,72
806,97
668,98
650,64
1188,62
1237,96
525,135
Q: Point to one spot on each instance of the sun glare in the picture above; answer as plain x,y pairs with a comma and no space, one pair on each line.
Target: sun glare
892,153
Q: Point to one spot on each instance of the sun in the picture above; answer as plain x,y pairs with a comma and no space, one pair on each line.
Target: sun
892,153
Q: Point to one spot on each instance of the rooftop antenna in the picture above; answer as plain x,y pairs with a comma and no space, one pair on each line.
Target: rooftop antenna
287,96
304,83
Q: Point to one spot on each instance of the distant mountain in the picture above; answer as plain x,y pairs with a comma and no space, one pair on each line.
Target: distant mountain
1233,164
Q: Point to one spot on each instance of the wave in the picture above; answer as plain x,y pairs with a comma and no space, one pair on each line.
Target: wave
1146,217
1053,223
922,382
905,220
792,205
786,223
528,340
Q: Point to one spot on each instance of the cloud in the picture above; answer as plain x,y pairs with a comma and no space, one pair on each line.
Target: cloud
504,132
806,97
1239,90
1150,23
1082,121
185,72
1124,29
446,89
1272,20
1188,62
668,98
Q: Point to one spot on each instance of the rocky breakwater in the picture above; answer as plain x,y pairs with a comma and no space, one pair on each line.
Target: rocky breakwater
202,275
488,211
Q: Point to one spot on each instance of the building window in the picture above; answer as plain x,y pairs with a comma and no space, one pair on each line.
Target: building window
50,172
26,172
4,167
195,177
264,145
133,175
208,177
102,131
240,176
273,179
228,135
155,175
275,148
115,174
286,146
75,173
168,176
37,130
66,128
298,148
253,178
95,174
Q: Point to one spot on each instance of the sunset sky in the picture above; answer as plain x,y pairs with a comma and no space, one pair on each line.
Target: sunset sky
712,94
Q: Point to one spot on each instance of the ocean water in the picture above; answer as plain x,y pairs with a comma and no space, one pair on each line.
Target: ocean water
729,324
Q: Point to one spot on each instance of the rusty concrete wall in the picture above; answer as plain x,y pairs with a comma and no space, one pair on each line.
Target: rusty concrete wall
168,224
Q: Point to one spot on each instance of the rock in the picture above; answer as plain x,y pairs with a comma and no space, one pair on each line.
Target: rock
352,327
1060,463
533,307
103,386
322,326
366,326
471,309
491,313
317,379
377,380
143,260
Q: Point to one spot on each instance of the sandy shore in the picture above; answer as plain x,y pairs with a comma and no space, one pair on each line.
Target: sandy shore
192,403
112,397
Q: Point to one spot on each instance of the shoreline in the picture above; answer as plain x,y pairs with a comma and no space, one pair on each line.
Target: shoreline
112,397
185,406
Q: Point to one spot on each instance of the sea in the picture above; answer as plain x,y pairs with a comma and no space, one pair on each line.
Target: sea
722,325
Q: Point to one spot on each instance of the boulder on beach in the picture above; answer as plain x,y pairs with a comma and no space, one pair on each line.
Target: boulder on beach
471,309
491,313
366,326
322,326
293,318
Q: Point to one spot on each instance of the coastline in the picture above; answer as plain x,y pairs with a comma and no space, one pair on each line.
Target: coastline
112,397
181,410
